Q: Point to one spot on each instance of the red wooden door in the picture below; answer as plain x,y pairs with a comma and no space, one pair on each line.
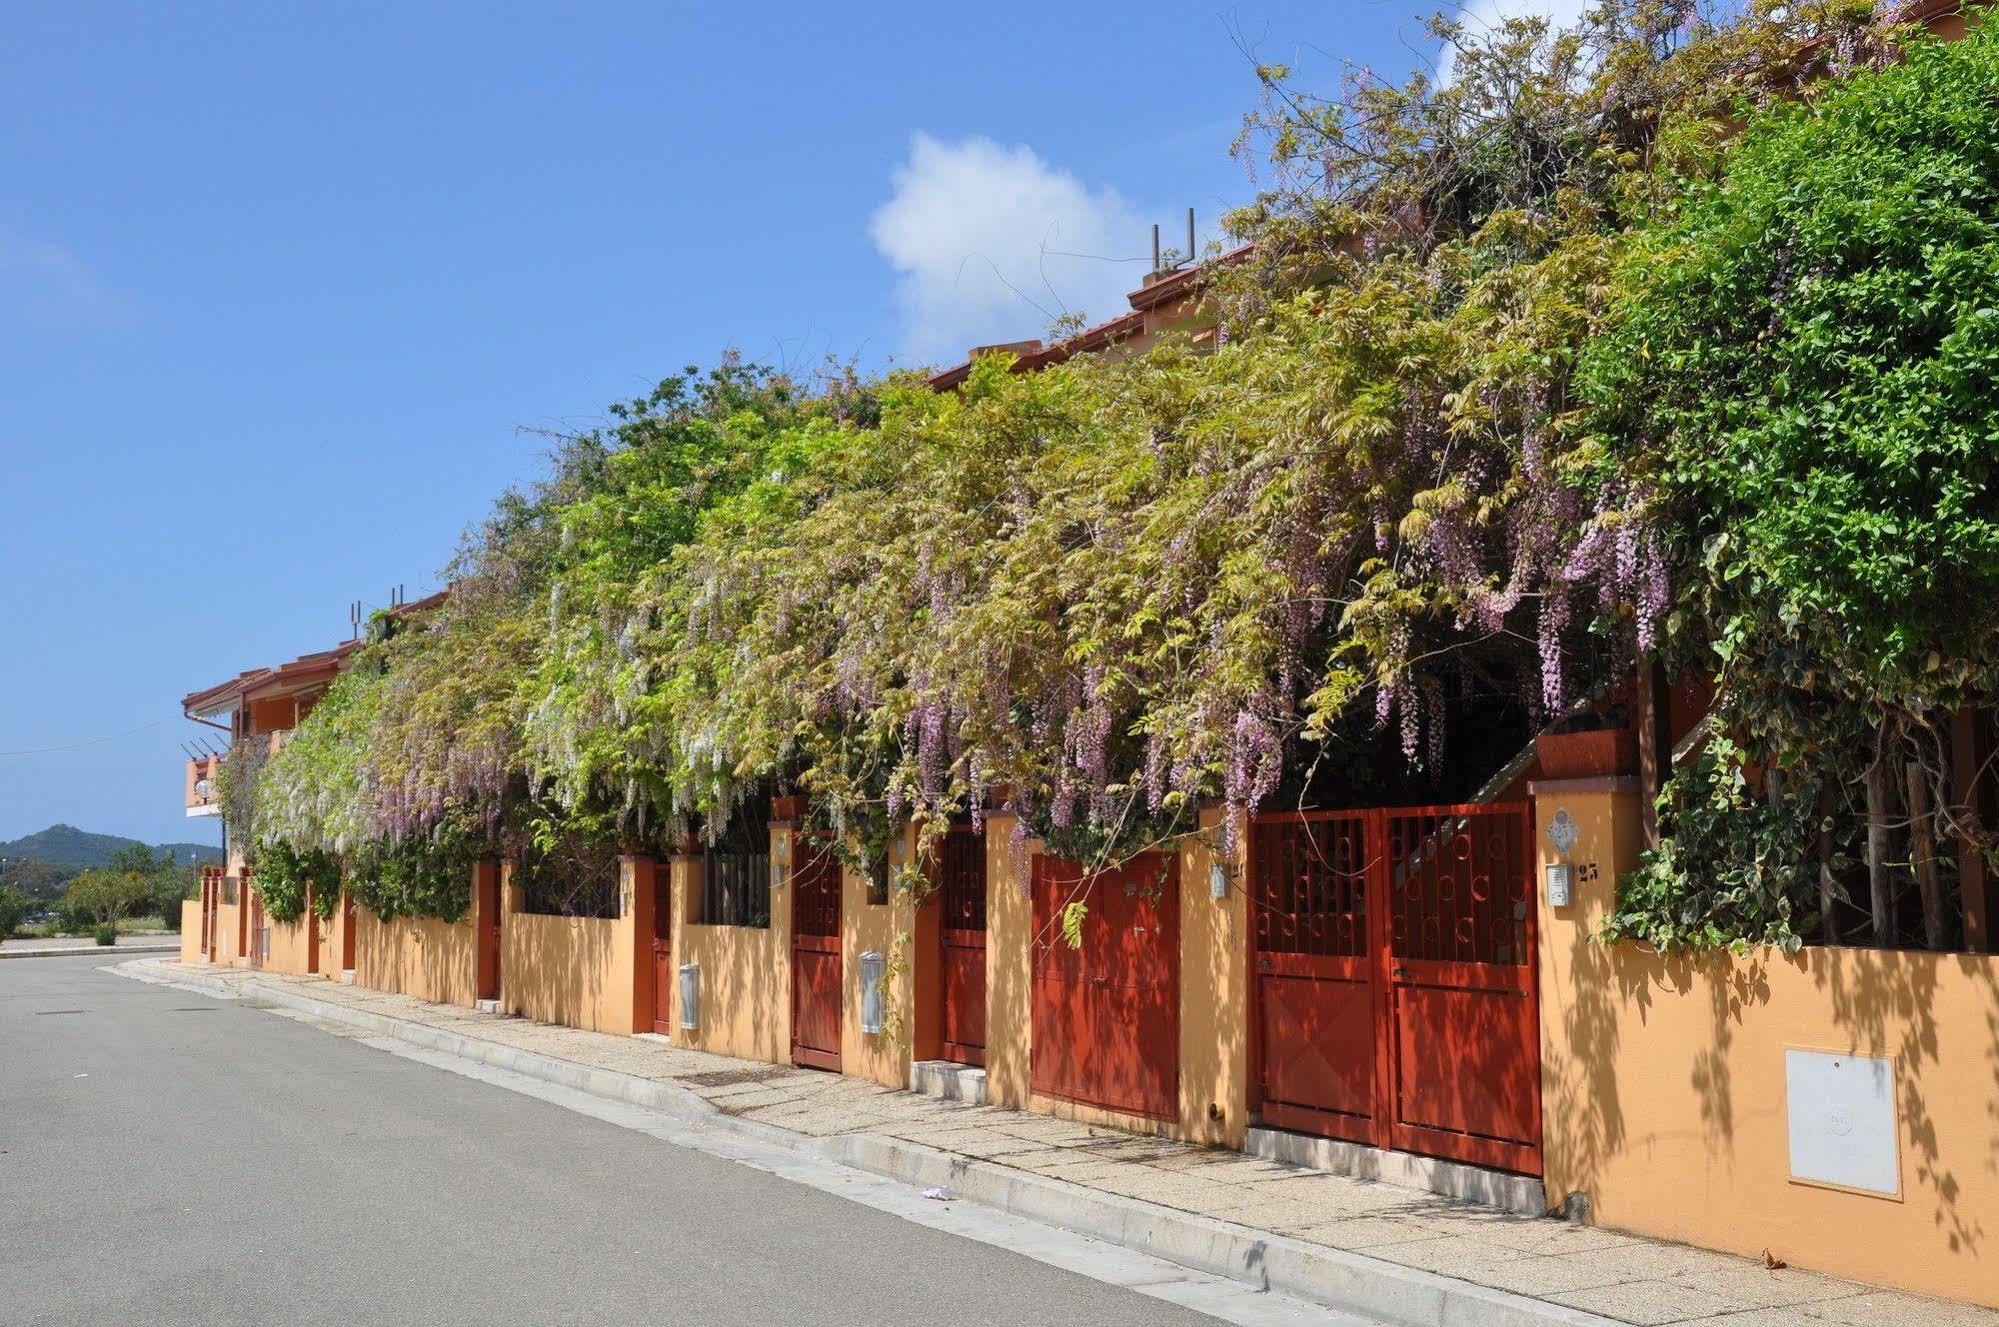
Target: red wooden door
663,974
1395,981
962,887
815,958
486,879
346,930
1464,1021
210,887
1106,1015
1314,973
311,935
257,949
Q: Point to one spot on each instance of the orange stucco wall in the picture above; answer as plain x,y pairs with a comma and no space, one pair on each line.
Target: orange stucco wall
905,934
576,971
417,956
1665,1093
291,948
190,931
1214,994
228,919
745,974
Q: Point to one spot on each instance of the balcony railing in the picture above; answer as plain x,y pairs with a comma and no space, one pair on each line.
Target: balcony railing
203,798
203,794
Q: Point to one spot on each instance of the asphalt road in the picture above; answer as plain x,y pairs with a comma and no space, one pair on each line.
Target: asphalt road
167,1158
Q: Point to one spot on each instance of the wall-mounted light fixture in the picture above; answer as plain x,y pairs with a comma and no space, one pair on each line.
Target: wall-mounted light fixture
780,859
1218,880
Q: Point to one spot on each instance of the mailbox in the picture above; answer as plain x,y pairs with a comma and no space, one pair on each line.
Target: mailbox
690,996
871,969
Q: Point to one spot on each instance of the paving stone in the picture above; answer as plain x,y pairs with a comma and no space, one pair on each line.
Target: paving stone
1889,1308
1784,1317
1367,1232
1540,1235
1449,1254
1647,1303
1541,1277
1758,1287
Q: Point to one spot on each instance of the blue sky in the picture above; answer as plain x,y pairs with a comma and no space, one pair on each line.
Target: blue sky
285,290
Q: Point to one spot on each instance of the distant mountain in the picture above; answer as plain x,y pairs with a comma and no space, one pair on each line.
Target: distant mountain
66,845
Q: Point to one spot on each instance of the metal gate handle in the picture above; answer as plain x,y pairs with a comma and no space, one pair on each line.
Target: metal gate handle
1398,972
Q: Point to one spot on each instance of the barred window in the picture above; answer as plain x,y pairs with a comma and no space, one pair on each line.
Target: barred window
574,878
735,871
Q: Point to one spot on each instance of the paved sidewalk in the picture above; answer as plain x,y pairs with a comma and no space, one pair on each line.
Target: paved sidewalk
1618,1276
28,946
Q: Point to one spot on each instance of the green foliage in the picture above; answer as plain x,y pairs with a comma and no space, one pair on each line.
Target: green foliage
104,896
288,877
425,876
1747,852
1805,356
1502,361
14,909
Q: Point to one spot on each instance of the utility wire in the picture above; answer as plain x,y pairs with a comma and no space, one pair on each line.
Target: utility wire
94,741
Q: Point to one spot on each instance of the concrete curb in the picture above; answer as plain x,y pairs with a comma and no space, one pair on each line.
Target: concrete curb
102,951
1354,1283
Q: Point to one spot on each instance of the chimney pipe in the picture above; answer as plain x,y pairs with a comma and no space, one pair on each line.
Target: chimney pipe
1155,247
1190,235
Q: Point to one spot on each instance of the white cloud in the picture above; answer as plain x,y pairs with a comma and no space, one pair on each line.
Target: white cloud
1482,16
46,284
991,243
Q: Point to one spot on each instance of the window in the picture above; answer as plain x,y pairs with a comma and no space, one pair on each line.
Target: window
735,871
572,879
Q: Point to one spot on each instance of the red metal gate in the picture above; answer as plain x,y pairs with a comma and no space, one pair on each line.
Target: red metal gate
1395,980
815,958
211,898
311,934
663,974
346,929
1106,1015
961,869
260,949
486,906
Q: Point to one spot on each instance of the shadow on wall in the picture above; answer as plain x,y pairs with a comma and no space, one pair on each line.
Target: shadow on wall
1894,1003
745,989
421,957
564,970
1215,1030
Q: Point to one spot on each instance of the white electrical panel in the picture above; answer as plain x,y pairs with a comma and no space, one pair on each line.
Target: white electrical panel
1842,1118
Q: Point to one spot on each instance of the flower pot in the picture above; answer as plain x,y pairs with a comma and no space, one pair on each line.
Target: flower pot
1600,753
790,809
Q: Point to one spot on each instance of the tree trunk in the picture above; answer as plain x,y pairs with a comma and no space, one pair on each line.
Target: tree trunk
1879,899
1828,887
1923,853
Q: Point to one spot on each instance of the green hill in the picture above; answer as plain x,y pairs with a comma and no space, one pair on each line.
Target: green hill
66,845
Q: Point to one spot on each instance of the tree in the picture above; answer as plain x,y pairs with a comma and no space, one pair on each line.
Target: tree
161,882
106,895
41,881
14,907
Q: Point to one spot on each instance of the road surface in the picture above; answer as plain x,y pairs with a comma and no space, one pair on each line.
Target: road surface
170,1158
